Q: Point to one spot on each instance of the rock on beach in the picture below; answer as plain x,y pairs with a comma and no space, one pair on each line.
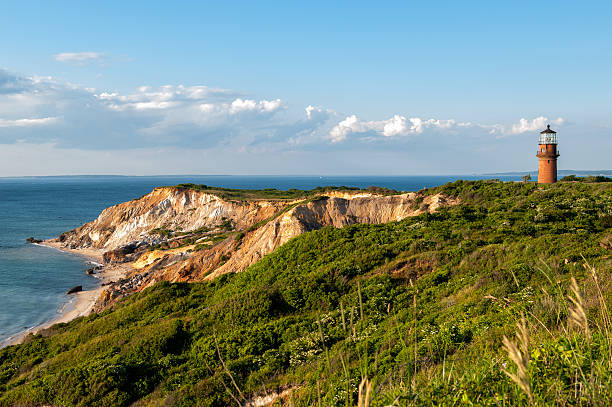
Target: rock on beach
75,289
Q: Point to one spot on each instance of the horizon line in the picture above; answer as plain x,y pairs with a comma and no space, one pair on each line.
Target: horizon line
298,175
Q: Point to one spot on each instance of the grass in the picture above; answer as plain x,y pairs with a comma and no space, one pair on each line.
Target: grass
568,365
418,312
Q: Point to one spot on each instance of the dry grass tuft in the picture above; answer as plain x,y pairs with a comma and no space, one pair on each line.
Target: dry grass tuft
519,354
365,393
577,315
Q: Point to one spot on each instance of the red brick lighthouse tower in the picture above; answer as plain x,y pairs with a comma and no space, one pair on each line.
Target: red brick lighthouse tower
547,153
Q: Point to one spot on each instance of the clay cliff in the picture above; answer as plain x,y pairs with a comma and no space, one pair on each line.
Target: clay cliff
176,234
165,208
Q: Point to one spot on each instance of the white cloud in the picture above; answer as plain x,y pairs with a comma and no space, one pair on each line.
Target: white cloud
347,126
202,98
523,126
240,105
270,105
311,111
248,105
78,58
318,114
207,100
27,122
537,124
398,126
395,126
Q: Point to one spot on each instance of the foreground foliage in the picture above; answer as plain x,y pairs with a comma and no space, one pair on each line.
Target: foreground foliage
422,311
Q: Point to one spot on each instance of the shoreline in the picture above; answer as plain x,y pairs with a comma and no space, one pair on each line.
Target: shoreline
81,303
94,255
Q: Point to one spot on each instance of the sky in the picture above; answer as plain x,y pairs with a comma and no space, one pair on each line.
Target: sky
311,88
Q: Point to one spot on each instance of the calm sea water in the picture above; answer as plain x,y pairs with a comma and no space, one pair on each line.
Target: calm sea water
34,279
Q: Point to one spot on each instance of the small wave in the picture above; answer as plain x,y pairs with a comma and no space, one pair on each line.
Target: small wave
45,245
65,307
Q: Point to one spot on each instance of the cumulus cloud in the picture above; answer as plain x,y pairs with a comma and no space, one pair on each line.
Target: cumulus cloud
400,126
537,124
78,58
317,113
523,126
248,105
395,126
347,126
164,97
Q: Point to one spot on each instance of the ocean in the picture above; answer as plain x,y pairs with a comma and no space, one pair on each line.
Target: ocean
34,279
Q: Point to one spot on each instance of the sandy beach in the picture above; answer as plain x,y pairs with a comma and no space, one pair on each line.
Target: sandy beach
94,255
81,303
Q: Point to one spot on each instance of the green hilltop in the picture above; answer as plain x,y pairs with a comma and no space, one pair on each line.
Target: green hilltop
414,311
276,194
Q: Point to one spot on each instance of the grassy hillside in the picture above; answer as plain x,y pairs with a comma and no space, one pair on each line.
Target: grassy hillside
415,310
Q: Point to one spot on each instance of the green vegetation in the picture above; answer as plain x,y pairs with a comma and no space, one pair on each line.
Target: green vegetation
199,231
202,238
590,178
422,311
163,232
275,194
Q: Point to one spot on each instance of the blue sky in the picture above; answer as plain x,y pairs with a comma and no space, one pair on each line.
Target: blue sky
301,88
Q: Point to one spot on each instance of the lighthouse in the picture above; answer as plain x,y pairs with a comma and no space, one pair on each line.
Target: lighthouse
547,154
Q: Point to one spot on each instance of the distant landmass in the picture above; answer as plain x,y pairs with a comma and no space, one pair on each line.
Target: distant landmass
561,173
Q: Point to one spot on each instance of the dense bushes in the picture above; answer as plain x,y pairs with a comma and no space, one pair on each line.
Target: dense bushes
590,178
420,307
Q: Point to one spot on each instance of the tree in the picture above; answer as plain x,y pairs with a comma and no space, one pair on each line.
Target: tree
526,178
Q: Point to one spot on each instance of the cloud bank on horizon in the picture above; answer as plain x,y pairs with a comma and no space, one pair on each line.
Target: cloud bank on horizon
45,110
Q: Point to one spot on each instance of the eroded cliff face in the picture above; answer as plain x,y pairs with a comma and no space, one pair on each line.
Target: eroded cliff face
211,236
168,208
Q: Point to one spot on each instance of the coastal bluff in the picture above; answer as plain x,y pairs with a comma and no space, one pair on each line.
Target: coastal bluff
181,234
